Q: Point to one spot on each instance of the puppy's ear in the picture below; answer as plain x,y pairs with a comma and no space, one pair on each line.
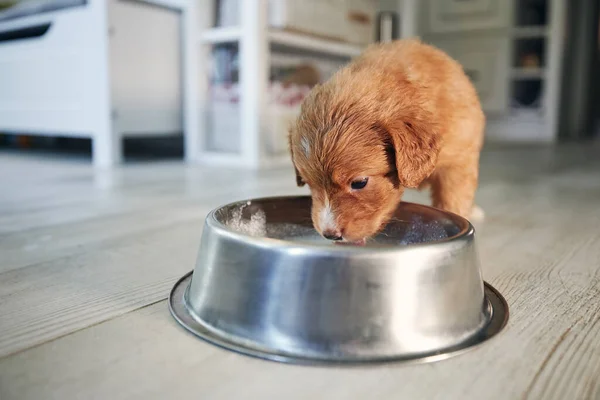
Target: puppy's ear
416,148
299,180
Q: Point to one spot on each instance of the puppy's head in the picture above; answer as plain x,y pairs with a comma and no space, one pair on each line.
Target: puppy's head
357,163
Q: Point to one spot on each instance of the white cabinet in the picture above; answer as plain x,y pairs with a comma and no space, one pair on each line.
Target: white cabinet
103,69
512,51
485,61
244,107
145,69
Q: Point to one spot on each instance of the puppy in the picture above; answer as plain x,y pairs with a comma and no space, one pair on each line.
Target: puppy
401,115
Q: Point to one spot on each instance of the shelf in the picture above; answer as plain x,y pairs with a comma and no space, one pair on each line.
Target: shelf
519,124
287,39
277,161
221,158
221,35
311,43
524,32
216,158
528,73
523,125
525,115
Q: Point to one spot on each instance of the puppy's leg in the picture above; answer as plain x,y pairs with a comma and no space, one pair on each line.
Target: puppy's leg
424,185
453,189
477,214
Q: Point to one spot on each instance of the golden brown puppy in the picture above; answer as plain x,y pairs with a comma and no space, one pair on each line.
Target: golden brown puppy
402,115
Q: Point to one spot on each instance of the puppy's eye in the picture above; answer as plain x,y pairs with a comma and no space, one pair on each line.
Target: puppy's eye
359,184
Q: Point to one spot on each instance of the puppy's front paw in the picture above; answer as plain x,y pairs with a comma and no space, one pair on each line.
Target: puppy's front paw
477,214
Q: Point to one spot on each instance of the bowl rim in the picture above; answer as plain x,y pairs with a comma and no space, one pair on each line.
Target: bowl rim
466,233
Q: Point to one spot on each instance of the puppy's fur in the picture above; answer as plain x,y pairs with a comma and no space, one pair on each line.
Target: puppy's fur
403,115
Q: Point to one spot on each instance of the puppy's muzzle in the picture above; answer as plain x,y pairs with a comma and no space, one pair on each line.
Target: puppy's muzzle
332,235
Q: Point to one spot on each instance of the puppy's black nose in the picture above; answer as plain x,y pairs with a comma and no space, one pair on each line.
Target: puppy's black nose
332,235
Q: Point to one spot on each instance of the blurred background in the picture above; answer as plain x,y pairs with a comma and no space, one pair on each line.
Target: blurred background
217,81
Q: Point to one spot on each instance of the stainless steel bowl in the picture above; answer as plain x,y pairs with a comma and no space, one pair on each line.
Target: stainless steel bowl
266,284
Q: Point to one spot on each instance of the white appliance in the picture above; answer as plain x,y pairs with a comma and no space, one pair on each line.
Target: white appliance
99,69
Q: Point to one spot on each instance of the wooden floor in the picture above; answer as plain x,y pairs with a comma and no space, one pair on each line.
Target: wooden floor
87,260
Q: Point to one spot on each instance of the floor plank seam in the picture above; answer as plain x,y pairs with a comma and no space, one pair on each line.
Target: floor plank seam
114,241
84,328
